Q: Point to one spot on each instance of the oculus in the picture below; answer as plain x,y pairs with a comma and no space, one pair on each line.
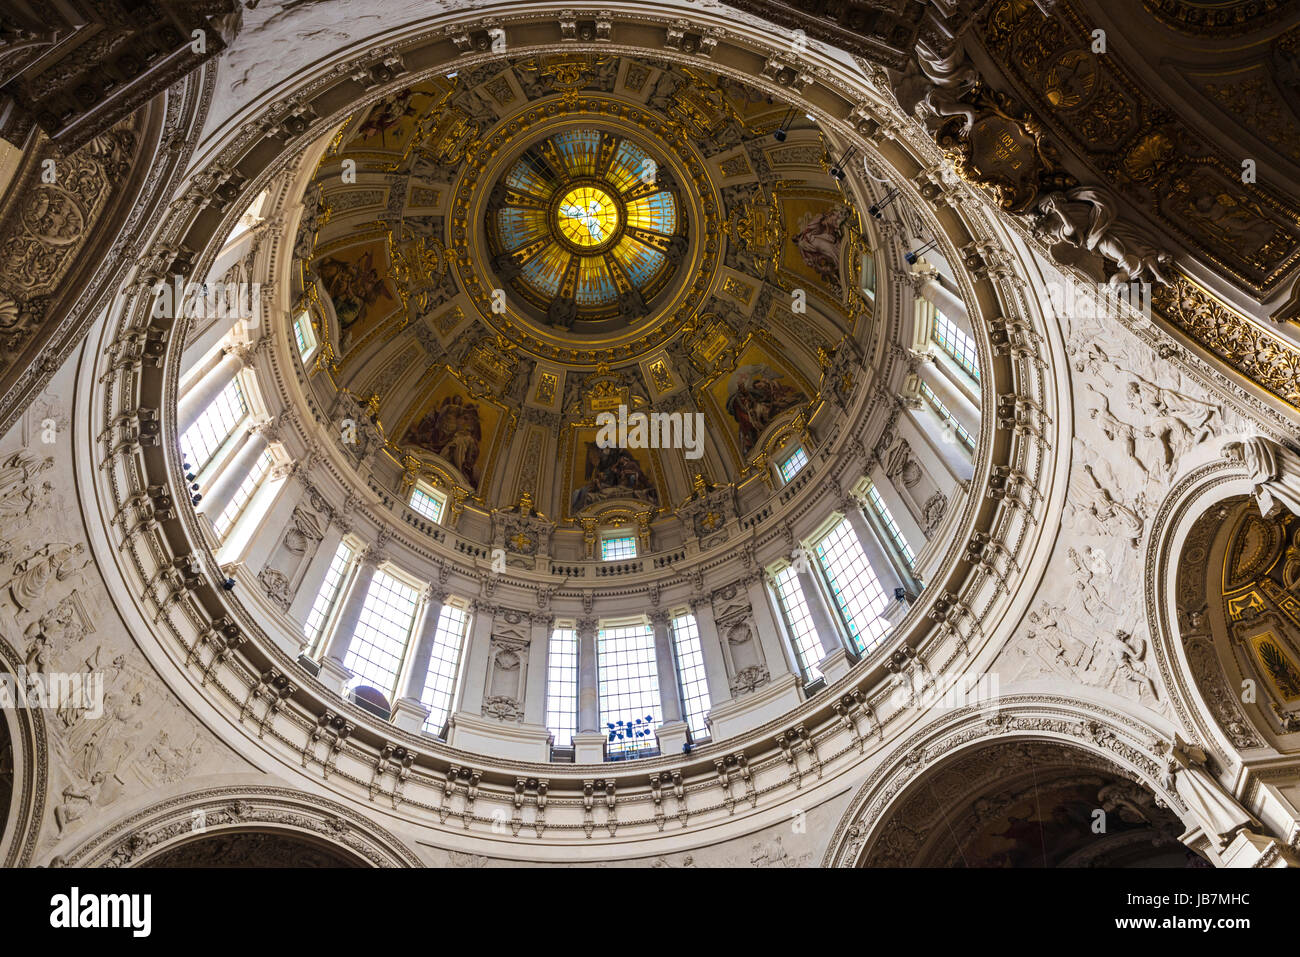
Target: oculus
586,227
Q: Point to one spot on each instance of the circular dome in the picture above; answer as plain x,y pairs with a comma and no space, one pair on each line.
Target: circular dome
584,226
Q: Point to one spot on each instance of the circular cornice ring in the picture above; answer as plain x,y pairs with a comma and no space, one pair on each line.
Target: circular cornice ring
188,612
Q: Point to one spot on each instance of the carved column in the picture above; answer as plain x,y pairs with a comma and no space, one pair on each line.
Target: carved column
191,405
409,712
332,671
589,742
834,662
673,730
539,628
769,633
960,405
222,491
877,556
475,655
715,665
317,569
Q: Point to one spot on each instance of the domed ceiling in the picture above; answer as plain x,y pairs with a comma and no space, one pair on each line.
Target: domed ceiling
494,257
583,227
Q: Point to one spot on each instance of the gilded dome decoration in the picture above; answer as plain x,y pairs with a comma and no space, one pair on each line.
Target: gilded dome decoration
651,428
584,227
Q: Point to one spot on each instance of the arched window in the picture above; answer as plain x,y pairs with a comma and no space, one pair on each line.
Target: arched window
427,502
799,621
630,708
891,526
859,598
304,335
444,665
690,674
214,426
618,546
956,344
327,599
793,463
562,685
383,632
252,481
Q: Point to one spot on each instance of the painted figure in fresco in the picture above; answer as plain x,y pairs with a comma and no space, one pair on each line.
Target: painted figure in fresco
755,397
612,473
353,287
818,237
386,115
454,431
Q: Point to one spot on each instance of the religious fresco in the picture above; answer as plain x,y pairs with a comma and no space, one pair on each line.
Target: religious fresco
599,475
356,279
817,231
458,427
753,395
393,122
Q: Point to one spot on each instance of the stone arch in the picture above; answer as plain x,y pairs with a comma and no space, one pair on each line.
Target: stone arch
68,248
1100,748
1188,531
1237,588
244,822
24,767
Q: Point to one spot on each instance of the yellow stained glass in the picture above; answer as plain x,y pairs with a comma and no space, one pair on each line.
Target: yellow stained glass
587,216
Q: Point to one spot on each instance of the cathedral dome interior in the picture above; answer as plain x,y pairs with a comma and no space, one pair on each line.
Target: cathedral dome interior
492,436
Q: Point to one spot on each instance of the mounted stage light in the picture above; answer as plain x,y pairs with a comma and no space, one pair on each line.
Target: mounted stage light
877,210
781,132
913,256
837,170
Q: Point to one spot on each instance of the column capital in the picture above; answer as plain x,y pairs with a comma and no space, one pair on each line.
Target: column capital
659,617
587,625
434,593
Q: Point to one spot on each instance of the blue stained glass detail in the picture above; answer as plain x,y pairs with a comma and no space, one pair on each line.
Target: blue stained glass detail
639,260
595,284
579,149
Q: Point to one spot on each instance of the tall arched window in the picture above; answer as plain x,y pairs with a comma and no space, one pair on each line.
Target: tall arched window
799,621
444,665
327,599
630,708
859,598
562,685
690,674
383,633
214,426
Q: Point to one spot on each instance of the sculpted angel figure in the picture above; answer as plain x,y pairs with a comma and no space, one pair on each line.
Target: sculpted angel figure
1274,473
1129,650
1192,421
1086,217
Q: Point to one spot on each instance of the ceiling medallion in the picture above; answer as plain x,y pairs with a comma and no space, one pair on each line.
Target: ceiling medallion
600,227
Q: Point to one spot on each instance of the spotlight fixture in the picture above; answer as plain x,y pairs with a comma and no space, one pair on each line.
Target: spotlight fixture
900,593
228,584
877,210
913,256
195,499
837,170
781,133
